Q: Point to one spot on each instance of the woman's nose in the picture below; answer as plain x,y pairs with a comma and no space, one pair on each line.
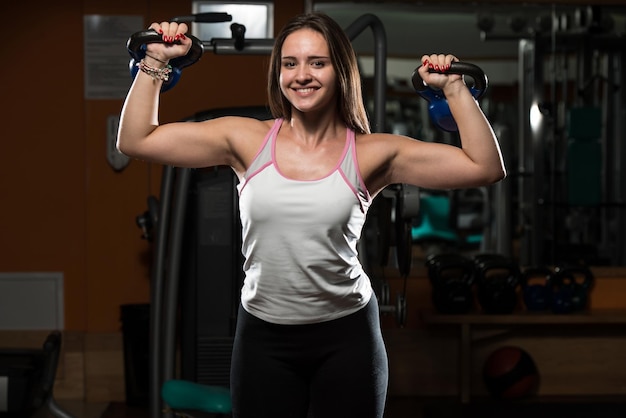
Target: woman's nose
303,74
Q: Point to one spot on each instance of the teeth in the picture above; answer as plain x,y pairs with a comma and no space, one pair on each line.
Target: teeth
305,90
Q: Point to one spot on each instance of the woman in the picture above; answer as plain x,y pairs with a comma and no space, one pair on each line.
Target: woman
308,339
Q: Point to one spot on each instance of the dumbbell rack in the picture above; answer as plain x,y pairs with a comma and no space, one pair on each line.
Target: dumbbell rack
467,322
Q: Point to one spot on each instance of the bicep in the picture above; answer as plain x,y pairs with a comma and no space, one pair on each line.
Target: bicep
431,165
190,144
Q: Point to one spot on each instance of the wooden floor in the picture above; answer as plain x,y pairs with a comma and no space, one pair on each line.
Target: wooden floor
396,408
597,407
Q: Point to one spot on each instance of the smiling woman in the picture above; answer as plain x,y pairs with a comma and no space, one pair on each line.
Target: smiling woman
308,341
307,78
339,54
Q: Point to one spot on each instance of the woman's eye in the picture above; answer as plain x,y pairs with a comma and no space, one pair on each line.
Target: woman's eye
318,64
288,64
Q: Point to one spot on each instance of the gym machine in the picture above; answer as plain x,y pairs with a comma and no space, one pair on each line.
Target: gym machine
571,202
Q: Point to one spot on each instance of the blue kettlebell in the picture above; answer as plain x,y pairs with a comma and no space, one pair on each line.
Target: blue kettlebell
438,108
136,45
562,286
536,290
579,281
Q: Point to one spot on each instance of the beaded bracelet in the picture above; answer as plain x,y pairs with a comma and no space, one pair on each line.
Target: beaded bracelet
162,74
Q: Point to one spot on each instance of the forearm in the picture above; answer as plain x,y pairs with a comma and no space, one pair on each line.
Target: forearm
139,116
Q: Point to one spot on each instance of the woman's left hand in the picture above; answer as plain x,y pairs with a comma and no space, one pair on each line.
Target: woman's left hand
434,70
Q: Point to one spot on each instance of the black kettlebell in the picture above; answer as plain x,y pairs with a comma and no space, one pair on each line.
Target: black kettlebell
438,108
497,281
136,46
536,285
572,288
451,277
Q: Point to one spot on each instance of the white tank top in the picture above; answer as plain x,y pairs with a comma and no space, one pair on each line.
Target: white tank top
300,239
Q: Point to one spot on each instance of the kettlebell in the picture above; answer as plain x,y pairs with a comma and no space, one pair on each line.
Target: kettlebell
136,46
438,108
451,277
562,289
571,290
497,281
536,288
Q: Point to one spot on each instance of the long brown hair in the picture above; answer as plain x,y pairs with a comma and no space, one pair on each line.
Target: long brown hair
343,58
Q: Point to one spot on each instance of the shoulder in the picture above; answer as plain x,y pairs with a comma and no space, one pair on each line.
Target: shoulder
388,144
382,144
237,130
244,135
248,129
238,123
375,153
380,155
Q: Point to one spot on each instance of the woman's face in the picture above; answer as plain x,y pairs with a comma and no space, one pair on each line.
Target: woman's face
307,76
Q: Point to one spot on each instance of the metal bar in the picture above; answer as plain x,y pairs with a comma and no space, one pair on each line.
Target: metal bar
226,46
172,279
156,291
465,362
380,63
532,129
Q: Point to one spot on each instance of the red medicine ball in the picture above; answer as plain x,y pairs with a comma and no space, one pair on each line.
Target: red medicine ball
510,373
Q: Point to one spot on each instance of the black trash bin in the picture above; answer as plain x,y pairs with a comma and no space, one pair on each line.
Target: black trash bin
20,379
136,337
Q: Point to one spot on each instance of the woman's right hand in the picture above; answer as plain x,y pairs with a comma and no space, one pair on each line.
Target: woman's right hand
175,43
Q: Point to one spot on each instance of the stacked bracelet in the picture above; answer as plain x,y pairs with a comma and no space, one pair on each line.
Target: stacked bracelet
162,74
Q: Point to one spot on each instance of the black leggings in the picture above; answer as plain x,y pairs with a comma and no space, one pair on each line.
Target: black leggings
330,369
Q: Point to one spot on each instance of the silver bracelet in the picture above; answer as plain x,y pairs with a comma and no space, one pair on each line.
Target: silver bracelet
162,74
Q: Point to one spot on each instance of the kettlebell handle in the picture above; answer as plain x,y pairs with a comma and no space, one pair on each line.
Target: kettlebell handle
573,275
137,41
539,272
457,67
488,263
440,263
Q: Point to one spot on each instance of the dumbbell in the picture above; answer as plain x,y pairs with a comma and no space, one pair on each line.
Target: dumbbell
399,309
384,307
438,108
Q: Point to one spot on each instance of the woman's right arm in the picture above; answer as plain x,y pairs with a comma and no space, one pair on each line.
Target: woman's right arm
183,144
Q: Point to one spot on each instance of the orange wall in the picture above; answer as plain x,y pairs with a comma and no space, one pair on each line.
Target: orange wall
64,209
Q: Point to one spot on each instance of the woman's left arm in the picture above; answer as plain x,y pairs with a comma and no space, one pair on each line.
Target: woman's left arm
477,162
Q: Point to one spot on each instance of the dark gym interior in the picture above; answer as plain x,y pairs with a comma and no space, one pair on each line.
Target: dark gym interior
508,300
